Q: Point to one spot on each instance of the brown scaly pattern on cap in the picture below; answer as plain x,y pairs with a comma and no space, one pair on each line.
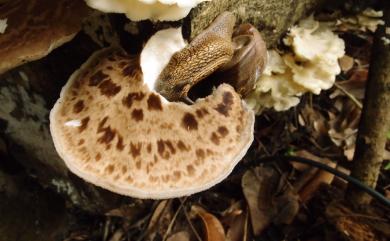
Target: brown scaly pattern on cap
35,27
111,130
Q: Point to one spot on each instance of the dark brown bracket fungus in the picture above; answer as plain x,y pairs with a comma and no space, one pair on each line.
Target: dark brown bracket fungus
113,131
36,27
238,61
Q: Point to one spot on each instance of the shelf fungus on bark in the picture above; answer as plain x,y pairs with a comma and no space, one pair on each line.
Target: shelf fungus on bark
235,57
36,27
115,132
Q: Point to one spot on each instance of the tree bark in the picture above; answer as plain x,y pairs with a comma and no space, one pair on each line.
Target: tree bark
271,17
28,92
375,119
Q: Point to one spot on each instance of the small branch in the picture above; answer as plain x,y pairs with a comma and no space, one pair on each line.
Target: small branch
375,120
349,95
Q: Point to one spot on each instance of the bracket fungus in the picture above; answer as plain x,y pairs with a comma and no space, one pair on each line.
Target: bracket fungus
36,27
136,10
113,131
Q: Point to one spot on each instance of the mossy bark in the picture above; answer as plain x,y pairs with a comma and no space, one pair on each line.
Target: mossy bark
375,120
271,17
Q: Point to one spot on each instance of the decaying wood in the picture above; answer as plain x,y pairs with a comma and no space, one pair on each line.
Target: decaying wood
375,120
28,93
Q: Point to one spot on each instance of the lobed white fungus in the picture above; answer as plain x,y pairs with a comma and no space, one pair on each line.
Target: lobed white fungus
136,10
311,67
368,20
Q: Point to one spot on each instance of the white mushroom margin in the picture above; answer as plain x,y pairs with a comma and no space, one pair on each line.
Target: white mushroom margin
311,67
136,10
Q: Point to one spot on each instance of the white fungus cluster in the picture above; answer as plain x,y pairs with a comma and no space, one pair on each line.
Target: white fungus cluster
368,20
312,66
136,10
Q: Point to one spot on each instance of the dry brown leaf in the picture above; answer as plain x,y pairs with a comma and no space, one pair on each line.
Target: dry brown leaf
311,178
356,226
180,236
235,221
346,63
387,193
344,126
162,215
267,204
316,124
359,76
213,228
237,230
321,177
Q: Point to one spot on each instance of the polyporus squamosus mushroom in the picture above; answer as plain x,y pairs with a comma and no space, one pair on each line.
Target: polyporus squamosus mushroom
313,67
136,10
36,27
113,131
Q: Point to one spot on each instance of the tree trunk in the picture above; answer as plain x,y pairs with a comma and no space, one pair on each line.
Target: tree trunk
375,120
271,17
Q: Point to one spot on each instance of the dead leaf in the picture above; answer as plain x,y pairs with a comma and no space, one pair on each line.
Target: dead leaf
180,236
346,63
355,226
117,236
235,221
307,192
213,228
267,203
344,126
159,222
316,124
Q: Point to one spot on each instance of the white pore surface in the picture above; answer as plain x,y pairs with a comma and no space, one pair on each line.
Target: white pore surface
136,10
157,53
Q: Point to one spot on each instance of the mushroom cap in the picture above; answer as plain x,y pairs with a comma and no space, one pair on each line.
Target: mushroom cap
36,27
114,132
136,10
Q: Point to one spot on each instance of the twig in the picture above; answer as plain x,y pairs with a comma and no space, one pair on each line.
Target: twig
169,229
349,95
192,226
